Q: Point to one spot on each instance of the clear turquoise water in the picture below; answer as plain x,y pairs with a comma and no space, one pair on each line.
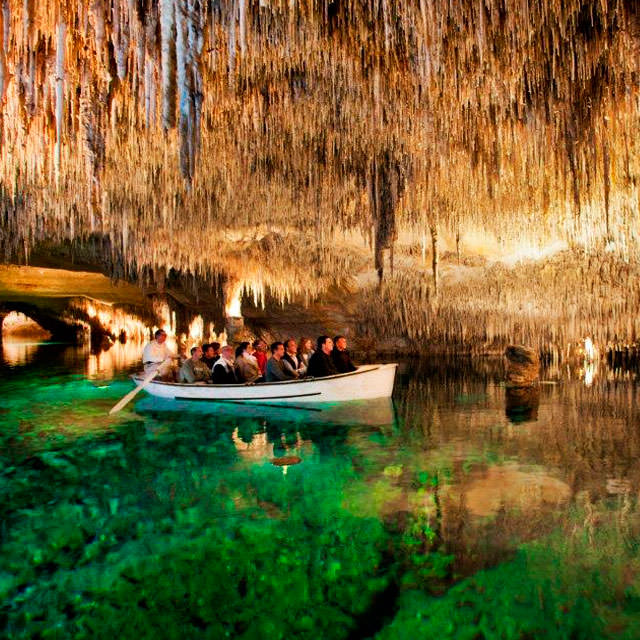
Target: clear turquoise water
379,519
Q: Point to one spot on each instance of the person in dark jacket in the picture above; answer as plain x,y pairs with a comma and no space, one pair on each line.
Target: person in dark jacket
211,354
340,355
276,371
223,372
320,363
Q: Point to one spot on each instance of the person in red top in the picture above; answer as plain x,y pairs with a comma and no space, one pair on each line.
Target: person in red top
260,354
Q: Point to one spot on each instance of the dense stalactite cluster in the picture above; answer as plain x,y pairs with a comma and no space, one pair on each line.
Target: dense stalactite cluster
562,299
169,129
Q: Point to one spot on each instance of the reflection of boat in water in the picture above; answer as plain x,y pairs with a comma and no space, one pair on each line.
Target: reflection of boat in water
376,412
365,383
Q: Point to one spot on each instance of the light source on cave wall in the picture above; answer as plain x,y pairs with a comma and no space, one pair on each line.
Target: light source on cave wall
590,351
233,305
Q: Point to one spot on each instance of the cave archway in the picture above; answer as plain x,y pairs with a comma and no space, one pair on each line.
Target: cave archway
49,321
16,324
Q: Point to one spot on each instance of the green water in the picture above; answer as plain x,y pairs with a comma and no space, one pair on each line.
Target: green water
457,511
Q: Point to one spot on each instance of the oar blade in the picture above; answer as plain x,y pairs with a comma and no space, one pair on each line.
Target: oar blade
132,394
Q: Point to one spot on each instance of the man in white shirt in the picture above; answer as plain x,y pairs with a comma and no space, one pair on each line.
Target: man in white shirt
156,356
291,360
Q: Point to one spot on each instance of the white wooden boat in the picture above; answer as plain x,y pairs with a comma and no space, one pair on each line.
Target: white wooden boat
365,383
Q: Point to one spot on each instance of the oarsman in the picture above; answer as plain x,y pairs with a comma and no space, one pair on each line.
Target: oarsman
340,355
156,356
292,361
223,372
276,371
320,363
194,369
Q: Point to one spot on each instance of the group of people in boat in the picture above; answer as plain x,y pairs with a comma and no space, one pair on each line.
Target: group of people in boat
250,362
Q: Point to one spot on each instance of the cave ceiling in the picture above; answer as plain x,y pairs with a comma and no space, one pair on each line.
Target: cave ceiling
287,145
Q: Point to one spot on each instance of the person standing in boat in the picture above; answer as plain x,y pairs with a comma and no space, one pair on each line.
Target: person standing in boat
246,365
276,371
291,359
321,363
156,356
223,371
260,354
340,355
194,369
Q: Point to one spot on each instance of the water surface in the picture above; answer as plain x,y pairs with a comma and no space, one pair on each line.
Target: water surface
360,520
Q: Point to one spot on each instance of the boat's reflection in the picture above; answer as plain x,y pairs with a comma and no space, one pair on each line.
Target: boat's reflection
378,412
281,434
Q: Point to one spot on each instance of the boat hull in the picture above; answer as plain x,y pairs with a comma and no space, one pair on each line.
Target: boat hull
366,383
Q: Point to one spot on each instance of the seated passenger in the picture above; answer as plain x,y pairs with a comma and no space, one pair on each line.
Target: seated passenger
291,360
320,363
211,353
305,350
246,365
260,354
276,371
340,355
223,372
194,369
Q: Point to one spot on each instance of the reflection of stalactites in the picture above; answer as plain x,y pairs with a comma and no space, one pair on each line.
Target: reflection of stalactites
168,53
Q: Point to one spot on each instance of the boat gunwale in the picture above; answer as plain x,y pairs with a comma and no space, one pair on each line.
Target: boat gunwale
206,385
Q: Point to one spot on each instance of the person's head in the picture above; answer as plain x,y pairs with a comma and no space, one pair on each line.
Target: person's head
160,336
290,346
260,345
227,352
208,350
340,343
196,353
325,344
242,347
305,345
277,350
216,348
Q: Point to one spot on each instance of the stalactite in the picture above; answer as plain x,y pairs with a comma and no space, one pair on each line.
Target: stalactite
3,45
168,38
434,257
60,51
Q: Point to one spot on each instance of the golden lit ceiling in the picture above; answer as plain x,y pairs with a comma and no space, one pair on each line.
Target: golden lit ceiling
192,133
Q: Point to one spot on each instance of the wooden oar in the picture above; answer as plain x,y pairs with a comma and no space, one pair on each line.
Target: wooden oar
132,394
